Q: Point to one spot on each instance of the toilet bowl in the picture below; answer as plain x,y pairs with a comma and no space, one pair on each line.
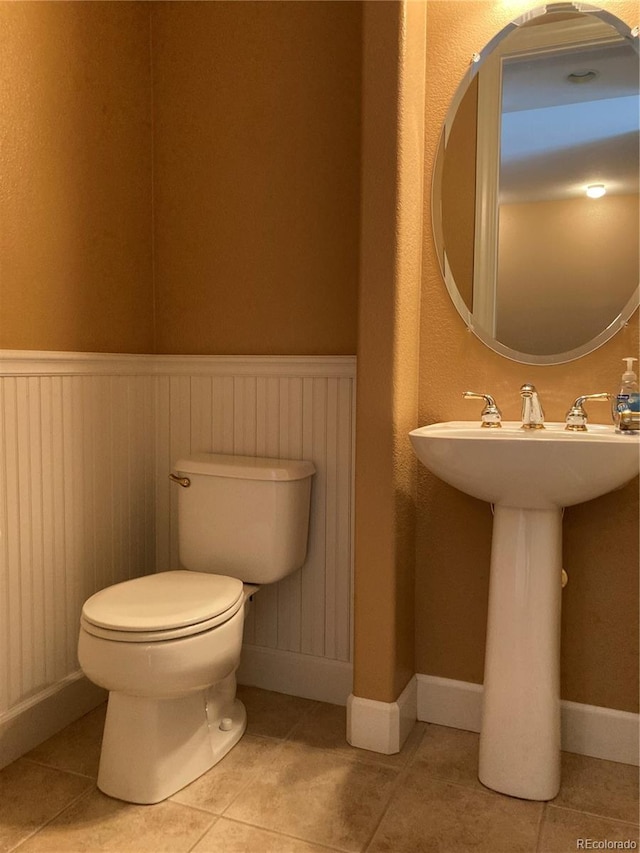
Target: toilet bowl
167,646
172,709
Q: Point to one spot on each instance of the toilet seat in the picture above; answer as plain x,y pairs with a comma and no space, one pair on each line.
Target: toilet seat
164,606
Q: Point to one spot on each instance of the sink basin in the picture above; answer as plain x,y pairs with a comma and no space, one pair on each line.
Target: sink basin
529,476
535,469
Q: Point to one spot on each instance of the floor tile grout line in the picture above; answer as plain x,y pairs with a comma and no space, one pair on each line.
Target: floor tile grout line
269,738
355,755
191,806
346,754
314,709
595,814
411,758
401,776
543,815
86,793
59,769
215,820
482,789
281,834
278,748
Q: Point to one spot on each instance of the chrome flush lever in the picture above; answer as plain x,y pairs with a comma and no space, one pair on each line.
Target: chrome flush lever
185,482
491,416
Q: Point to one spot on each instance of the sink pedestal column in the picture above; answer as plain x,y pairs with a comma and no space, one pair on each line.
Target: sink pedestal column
520,739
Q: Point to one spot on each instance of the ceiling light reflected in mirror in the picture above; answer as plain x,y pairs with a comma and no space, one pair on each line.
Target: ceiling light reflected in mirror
596,190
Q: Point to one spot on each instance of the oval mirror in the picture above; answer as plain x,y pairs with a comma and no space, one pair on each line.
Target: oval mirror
540,269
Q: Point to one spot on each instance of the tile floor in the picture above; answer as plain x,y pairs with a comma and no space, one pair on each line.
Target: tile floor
293,785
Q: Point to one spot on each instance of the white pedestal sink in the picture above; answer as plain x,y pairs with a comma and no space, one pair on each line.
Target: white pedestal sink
529,475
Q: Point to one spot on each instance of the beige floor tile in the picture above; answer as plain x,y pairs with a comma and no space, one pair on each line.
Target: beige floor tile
227,836
294,777
321,798
325,727
600,787
272,714
98,823
30,795
75,748
431,816
450,755
218,787
562,830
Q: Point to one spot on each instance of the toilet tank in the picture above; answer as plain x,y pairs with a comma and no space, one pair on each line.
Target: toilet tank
243,516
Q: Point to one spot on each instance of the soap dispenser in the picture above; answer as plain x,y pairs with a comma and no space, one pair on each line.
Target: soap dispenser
627,404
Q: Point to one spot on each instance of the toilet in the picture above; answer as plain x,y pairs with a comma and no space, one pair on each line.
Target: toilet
167,646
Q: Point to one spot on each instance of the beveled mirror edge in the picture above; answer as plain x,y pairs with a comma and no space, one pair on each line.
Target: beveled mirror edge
436,210
620,322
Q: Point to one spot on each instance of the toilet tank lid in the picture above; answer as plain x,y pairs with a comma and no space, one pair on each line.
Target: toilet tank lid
245,467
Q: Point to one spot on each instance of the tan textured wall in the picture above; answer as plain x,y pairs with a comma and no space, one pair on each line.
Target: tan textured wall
254,143
256,166
393,111
600,604
555,261
75,177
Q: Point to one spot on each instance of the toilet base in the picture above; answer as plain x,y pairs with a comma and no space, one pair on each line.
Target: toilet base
154,747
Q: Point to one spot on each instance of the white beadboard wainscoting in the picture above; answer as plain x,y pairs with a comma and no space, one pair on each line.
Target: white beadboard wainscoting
86,445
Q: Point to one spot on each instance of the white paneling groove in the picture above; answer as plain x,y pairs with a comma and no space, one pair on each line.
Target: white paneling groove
86,444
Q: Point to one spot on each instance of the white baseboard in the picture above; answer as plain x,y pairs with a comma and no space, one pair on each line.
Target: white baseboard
382,726
457,704
43,715
600,732
296,674
586,729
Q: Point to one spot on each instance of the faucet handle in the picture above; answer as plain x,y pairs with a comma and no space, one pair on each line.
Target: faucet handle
576,419
491,416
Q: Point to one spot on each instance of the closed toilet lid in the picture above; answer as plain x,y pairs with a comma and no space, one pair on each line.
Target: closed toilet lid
163,602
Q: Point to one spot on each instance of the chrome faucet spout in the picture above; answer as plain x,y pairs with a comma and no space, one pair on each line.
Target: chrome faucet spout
532,412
